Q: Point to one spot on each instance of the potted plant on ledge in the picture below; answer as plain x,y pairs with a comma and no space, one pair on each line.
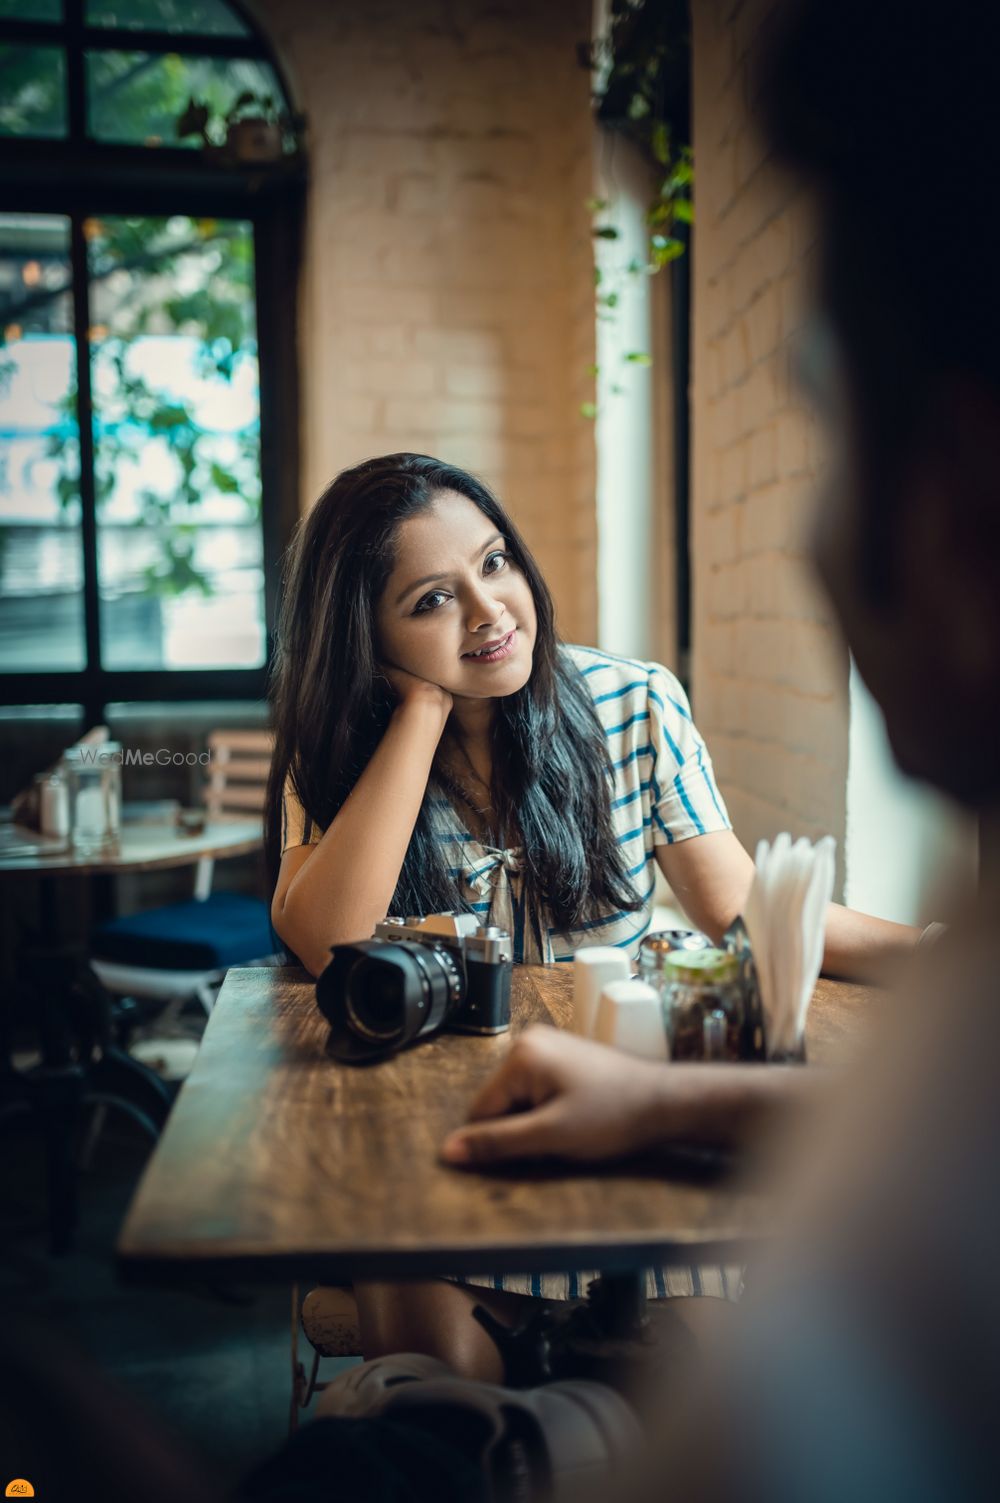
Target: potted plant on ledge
254,132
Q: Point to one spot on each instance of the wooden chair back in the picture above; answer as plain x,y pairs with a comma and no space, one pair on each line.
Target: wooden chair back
238,768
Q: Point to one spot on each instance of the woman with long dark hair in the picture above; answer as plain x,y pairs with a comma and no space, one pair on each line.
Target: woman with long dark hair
438,747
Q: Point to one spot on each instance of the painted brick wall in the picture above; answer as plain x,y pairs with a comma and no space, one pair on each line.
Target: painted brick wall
769,673
447,300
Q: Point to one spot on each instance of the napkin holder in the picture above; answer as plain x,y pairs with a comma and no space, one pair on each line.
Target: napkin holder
753,1039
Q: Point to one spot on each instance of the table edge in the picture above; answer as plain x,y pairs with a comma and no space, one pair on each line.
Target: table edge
137,1267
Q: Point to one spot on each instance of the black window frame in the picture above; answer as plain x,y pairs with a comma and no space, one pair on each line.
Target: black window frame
79,178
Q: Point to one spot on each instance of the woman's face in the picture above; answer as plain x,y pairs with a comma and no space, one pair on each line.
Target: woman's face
453,591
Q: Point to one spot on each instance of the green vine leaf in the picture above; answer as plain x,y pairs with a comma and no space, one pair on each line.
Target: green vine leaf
643,63
665,249
224,481
681,177
588,410
660,142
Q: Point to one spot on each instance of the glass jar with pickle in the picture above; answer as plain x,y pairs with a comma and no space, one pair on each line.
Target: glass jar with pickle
703,1004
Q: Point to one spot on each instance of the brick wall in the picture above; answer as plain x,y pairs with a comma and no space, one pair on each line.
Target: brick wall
769,673
447,300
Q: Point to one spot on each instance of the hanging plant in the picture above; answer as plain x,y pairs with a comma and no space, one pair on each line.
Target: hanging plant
642,71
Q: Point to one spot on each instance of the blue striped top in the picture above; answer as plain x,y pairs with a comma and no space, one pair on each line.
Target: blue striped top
664,791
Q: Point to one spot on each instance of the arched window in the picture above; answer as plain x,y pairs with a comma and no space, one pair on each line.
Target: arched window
151,182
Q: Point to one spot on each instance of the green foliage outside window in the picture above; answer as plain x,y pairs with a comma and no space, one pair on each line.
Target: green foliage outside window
150,260
32,91
160,276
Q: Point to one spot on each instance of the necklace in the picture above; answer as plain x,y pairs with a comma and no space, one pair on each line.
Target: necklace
475,806
460,785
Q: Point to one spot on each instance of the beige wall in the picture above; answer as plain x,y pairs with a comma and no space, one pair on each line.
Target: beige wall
447,298
769,672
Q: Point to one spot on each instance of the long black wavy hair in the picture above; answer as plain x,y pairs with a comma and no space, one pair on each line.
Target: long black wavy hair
552,775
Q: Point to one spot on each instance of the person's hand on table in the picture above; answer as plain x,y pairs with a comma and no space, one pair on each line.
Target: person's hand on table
557,1095
566,1096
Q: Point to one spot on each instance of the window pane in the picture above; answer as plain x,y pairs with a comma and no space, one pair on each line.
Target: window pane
41,560
139,96
177,442
32,91
33,738
30,10
196,17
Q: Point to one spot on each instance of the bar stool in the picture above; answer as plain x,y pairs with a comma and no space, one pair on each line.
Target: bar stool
328,1318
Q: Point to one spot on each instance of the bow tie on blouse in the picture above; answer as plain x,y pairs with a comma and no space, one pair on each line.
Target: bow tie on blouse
480,874
487,877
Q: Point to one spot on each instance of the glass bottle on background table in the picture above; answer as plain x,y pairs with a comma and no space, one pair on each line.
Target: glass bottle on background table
95,798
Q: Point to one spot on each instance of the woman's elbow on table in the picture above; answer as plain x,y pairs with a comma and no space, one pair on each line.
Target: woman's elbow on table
298,931
297,938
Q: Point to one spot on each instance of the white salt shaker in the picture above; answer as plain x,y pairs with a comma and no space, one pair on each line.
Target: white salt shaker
630,1017
593,969
53,804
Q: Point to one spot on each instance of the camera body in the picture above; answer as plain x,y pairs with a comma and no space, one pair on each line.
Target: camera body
414,977
483,951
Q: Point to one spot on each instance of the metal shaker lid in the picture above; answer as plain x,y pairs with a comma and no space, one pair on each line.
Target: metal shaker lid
655,948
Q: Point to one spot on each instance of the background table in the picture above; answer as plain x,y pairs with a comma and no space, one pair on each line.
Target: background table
142,848
277,1162
57,979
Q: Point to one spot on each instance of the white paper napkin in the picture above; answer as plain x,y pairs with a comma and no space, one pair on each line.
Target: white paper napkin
785,918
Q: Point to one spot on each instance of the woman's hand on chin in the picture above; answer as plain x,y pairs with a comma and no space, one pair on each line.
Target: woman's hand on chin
409,689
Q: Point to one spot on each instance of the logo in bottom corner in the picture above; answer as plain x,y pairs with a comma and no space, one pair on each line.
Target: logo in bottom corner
19,1489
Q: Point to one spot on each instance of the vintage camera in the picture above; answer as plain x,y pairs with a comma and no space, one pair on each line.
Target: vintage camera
414,977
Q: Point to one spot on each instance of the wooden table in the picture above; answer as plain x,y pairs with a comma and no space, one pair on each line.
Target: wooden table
142,848
277,1162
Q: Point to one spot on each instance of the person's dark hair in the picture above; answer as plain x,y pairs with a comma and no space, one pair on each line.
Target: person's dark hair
552,774
888,111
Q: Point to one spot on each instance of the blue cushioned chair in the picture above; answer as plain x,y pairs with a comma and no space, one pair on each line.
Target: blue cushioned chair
223,929
182,951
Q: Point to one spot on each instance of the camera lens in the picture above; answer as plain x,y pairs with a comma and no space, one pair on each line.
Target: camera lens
380,995
375,999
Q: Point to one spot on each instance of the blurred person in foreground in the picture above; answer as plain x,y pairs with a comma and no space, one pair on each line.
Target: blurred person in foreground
865,1361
